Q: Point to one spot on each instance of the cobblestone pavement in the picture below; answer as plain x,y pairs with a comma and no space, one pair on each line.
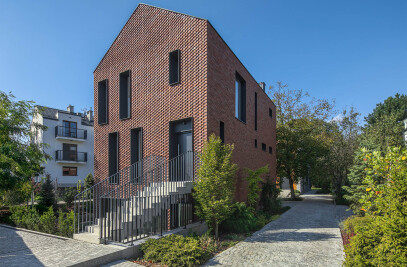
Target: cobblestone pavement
21,248
305,235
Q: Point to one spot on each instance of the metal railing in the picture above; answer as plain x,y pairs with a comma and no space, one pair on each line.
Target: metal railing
86,203
68,155
153,202
62,131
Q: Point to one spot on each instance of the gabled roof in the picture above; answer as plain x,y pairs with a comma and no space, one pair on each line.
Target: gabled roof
135,10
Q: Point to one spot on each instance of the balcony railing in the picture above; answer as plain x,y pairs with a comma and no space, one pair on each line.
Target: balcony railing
66,155
61,131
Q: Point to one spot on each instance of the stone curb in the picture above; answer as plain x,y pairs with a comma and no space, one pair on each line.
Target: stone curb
35,232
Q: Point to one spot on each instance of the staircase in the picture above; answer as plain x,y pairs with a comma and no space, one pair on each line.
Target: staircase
135,204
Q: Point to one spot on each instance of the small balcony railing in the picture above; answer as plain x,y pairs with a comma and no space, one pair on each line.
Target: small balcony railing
61,131
74,156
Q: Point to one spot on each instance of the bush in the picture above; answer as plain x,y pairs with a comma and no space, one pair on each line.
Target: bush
65,223
25,217
47,196
242,220
269,197
253,179
381,237
69,197
174,250
48,222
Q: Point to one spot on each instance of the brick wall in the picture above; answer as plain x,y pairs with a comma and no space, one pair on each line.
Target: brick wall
143,46
222,66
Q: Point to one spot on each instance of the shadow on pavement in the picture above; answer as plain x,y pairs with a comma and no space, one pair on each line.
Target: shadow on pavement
14,251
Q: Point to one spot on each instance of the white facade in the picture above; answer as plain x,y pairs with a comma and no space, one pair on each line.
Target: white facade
69,137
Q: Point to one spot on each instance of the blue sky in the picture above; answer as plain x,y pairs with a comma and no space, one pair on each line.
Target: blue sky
352,51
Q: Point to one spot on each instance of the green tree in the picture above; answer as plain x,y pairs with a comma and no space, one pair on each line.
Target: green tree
383,241
302,138
89,181
47,195
395,106
20,159
254,180
344,143
214,189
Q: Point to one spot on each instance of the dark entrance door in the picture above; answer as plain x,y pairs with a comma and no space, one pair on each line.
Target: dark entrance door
181,150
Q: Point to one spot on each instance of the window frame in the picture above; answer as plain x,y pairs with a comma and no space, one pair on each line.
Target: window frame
174,75
125,95
240,98
69,167
263,147
104,103
222,131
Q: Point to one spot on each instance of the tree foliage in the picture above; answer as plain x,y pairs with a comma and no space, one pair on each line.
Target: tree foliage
383,240
302,138
47,195
20,159
254,180
214,188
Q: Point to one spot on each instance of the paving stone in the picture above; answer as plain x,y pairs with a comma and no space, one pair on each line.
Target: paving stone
19,248
305,235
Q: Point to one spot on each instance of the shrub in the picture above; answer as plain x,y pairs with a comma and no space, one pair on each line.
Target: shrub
25,217
48,221
253,179
242,220
381,239
174,250
47,196
69,197
65,223
269,197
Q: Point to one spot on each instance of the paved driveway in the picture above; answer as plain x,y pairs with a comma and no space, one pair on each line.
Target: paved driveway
23,248
306,235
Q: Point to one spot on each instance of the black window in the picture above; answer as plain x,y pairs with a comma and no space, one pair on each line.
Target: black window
174,71
255,111
69,129
255,143
102,102
222,131
69,152
263,146
270,150
125,95
240,98
270,113
69,171
113,155
136,145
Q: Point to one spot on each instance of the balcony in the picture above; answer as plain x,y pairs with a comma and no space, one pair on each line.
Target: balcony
67,156
72,134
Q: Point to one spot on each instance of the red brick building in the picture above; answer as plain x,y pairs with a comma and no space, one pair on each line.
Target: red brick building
167,82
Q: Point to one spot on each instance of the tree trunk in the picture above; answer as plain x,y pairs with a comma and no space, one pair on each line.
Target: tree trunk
216,230
291,182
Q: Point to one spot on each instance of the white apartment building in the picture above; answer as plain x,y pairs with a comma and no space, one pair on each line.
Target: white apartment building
70,139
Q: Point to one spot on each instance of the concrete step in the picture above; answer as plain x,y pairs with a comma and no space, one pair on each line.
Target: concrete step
88,237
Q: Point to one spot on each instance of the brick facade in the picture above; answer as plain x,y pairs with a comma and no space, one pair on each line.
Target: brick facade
205,92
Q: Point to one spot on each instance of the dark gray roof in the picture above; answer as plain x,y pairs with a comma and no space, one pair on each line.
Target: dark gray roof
52,114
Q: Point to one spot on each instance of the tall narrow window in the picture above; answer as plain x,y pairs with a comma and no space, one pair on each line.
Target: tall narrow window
270,150
270,113
136,145
113,156
174,69
255,143
222,131
240,98
255,111
102,102
125,95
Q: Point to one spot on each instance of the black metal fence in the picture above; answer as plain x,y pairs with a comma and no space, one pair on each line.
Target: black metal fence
62,131
150,197
69,155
